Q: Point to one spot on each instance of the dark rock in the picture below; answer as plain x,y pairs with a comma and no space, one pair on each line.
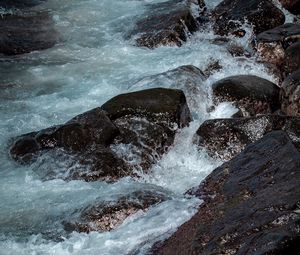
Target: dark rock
157,104
20,3
292,6
290,95
212,67
251,94
105,216
251,205
166,23
25,33
230,15
225,138
292,59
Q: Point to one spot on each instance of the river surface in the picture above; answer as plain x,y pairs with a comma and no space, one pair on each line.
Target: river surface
92,63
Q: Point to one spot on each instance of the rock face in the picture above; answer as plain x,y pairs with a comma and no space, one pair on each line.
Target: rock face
25,33
230,15
167,23
292,6
105,216
130,130
225,138
290,95
251,94
251,205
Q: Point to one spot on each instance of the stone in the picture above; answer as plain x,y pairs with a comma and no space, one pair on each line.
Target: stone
290,95
26,32
292,59
251,94
225,138
251,205
292,6
167,23
19,3
229,16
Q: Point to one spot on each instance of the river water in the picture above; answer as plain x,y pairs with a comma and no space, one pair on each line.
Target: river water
92,63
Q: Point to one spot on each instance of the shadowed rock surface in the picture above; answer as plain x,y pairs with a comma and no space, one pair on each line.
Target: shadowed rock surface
167,23
225,138
230,15
251,94
251,205
20,3
292,6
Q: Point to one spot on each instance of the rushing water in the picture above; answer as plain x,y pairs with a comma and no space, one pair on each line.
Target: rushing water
91,64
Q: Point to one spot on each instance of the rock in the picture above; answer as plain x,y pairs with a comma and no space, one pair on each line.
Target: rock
225,138
26,32
159,104
189,79
292,6
106,216
290,95
292,59
230,15
251,94
20,3
167,23
251,205
271,44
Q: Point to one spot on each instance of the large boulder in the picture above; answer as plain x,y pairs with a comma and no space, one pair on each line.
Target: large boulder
292,59
166,23
251,94
26,32
230,15
292,6
251,205
225,138
290,94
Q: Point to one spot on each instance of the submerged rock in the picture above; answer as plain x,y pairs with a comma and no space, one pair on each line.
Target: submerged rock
251,94
225,138
251,205
26,32
290,95
166,23
108,215
230,16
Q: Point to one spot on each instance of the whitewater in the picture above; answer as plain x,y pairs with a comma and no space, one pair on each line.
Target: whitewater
92,63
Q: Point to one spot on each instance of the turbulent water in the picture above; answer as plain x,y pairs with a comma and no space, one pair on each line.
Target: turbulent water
92,63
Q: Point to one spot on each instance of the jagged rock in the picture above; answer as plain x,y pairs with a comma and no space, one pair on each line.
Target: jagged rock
225,138
230,15
271,44
105,216
251,205
290,95
26,32
166,23
251,94
292,6
187,78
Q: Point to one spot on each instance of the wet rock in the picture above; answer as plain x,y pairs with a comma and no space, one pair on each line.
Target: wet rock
167,23
251,94
187,78
290,95
105,216
251,205
20,3
292,6
225,138
26,32
292,59
271,44
230,15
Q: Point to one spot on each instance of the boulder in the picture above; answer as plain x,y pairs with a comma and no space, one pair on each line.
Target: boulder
290,94
225,138
26,32
292,59
251,94
292,6
106,216
167,23
251,205
229,16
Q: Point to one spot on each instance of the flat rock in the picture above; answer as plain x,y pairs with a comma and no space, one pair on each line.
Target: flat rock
230,15
225,138
251,205
290,95
26,32
251,94
167,23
